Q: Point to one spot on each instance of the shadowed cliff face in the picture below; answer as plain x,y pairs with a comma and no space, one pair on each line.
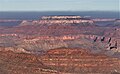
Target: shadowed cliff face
56,61
98,40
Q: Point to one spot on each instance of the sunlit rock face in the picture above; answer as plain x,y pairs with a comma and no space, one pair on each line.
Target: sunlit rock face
59,20
65,20
61,17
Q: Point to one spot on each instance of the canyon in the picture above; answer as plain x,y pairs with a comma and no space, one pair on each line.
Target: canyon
60,45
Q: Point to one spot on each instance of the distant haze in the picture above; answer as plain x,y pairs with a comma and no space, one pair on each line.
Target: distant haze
59,5
37,15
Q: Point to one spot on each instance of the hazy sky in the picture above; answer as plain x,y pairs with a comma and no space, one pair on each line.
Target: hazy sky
59,5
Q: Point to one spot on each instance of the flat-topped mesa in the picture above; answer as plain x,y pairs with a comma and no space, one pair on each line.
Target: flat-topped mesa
59,20
60,17
64,20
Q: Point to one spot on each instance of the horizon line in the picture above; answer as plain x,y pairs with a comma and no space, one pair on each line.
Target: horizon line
61,11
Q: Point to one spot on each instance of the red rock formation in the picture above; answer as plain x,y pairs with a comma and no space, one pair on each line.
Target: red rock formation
58,61
80,61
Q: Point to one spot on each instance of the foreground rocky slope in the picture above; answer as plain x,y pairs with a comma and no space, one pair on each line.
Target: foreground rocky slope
58,61
80,61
